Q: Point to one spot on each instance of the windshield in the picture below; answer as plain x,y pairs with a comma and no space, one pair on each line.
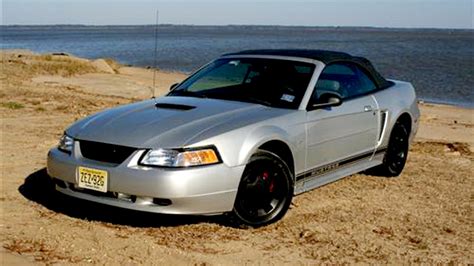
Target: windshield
271,82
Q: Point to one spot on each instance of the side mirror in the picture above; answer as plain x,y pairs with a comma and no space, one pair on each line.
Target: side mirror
327,100
173,86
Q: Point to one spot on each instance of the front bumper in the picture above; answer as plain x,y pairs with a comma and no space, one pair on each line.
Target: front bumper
196,190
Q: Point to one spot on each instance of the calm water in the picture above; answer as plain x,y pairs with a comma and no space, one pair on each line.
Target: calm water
438,62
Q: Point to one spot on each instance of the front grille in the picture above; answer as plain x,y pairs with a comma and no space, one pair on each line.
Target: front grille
104,152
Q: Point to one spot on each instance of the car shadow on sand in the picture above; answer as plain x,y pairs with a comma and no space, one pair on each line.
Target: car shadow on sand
38,187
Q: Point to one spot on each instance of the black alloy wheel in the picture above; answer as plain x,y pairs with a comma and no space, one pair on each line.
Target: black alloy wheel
265,191
397,151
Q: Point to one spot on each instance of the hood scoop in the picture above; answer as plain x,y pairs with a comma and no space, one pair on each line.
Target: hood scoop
174,106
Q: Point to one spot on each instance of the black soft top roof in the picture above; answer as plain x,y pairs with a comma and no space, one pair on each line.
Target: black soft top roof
327,57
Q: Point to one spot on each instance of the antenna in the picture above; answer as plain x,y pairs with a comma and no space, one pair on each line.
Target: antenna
156,55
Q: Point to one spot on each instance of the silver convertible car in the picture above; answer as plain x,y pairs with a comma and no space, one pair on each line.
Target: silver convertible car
241,136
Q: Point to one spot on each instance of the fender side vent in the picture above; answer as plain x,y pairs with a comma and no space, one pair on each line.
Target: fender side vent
174,106
383,123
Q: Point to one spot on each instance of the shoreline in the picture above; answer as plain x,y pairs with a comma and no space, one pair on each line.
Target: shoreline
447,103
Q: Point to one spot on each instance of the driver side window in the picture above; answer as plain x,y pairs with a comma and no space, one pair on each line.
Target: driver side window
344,79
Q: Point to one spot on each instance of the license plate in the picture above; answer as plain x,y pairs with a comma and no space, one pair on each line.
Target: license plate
90,178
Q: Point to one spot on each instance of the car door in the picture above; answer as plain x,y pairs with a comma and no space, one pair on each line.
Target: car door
345,133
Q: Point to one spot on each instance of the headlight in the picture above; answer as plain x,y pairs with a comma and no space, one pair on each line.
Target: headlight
66,143
181,158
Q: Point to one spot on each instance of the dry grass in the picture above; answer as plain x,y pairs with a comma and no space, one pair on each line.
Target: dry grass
28,65
12,105
17,93
62,67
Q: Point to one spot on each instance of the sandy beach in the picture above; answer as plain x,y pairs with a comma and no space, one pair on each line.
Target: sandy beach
423,216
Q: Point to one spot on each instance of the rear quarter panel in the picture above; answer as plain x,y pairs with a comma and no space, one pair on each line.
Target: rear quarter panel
397,100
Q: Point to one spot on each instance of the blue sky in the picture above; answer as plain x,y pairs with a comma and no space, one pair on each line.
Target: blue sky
378,13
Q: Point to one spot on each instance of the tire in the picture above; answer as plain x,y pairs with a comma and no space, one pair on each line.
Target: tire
397,152
265,191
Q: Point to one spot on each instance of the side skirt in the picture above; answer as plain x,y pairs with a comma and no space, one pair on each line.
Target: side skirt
326,174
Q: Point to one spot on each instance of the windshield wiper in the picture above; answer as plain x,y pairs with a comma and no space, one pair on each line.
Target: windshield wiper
187,93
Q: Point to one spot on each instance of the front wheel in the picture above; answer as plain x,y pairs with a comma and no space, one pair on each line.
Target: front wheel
265,191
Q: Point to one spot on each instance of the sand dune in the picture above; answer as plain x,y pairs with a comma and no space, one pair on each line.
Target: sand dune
423,216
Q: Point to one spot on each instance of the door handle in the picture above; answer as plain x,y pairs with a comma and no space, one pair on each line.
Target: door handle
367,108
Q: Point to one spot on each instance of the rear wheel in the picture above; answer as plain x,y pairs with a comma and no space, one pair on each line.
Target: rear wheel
265,191
397,151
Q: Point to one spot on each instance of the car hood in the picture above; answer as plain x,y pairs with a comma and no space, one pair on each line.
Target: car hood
168,122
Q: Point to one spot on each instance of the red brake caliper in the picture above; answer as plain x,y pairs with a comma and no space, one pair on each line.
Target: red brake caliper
265,177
